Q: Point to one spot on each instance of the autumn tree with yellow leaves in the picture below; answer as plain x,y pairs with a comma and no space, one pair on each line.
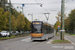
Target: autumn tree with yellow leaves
18,21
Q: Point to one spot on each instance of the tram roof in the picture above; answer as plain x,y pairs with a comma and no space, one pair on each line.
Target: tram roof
45,23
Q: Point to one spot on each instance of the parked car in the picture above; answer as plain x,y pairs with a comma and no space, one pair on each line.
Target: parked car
4,33
15,33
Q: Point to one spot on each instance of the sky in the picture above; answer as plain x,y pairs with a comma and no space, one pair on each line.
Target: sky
51,6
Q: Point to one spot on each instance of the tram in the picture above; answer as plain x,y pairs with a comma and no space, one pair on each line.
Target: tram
41,31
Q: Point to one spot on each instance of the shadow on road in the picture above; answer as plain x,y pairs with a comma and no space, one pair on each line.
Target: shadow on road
41,40
38,40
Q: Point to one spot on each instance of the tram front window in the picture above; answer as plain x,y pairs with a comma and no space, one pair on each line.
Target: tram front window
37,28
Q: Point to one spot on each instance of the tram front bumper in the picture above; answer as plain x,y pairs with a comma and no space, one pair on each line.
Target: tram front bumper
37,38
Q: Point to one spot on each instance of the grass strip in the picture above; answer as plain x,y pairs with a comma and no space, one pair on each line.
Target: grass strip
70,34
4,38
60,41
13,36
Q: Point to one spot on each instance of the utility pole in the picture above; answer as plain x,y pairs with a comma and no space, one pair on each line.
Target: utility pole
10,17
62,20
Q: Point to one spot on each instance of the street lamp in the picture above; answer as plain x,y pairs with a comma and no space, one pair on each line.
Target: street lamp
31,15
22,13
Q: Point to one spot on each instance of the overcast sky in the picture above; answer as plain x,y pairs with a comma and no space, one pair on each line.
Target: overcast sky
51,6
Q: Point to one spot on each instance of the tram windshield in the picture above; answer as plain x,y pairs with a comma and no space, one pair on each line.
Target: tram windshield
37,28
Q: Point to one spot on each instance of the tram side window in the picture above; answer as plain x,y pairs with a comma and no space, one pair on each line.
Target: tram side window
45,29
51,29
48,29
42,28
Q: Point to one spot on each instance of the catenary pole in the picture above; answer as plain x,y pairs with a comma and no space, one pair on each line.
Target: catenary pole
62,19
10,17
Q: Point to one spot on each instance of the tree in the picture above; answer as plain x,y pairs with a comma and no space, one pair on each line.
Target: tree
2,4
67,22
6,14
56,25
2,19
28,23
15,12
13,22
72,20
20,22
59,16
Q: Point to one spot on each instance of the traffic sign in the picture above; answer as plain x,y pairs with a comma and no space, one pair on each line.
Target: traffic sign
58,26
23,5
62,30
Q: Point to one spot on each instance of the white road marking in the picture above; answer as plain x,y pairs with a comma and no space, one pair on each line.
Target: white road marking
26,40
70,41
49,42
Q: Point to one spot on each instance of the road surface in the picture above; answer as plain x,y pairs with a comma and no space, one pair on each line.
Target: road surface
25,43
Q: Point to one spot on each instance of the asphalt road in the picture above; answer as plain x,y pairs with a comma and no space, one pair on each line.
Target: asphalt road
25,43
